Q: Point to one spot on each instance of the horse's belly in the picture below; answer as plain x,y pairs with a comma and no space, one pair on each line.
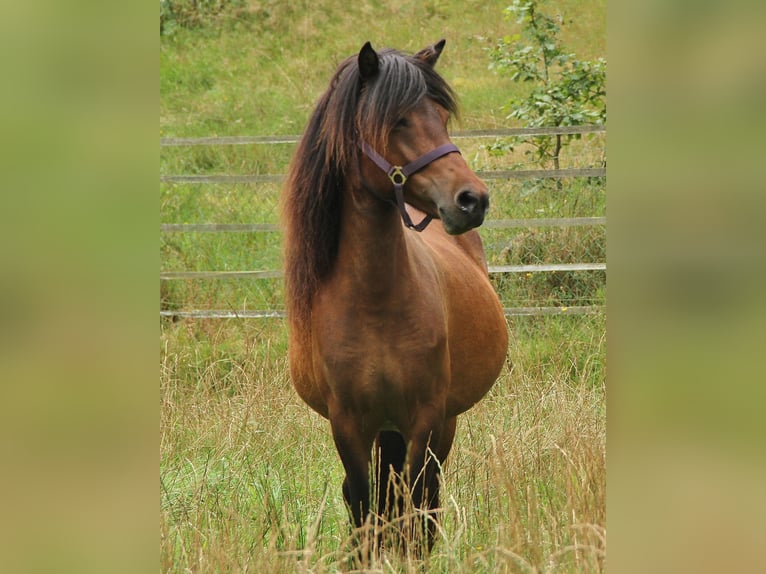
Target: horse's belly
478,335
477,353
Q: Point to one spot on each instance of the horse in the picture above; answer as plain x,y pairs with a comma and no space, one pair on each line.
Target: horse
394,326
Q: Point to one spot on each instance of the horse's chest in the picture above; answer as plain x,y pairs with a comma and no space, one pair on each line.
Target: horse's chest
379,356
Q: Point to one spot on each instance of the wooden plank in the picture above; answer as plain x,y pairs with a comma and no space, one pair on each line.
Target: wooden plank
544,222
275,314
218,227
503,174
547,267
275,273
291,139
270,274
489,224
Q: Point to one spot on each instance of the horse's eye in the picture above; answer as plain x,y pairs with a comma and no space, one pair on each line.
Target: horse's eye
402,123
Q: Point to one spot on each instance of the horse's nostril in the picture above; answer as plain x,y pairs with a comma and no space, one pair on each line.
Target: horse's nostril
469,201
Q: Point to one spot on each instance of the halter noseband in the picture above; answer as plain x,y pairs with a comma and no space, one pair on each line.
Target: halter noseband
398,176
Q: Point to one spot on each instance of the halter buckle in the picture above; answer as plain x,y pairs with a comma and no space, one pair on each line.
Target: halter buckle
397,176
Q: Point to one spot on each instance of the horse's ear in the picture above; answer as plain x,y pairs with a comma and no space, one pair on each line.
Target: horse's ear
431,54
368,62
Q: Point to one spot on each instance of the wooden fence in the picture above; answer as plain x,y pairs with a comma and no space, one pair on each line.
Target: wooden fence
270,228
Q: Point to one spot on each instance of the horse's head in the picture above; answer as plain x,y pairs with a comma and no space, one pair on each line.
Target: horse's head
402,117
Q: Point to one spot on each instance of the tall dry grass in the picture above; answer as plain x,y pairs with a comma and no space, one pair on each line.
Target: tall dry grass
250,480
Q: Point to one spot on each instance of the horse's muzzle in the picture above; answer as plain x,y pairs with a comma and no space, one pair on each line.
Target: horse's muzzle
468,211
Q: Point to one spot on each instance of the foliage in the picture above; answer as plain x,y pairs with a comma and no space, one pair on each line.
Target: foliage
565,91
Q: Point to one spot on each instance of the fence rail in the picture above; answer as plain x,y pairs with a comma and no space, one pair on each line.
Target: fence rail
276,273
269,314
272,227
277,178
502,174
463,134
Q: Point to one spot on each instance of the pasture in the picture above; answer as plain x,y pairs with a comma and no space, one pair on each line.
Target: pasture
250,479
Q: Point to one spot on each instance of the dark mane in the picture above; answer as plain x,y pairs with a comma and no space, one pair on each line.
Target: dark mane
349,111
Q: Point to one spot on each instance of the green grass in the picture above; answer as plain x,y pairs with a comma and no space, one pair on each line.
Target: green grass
262,71
250,480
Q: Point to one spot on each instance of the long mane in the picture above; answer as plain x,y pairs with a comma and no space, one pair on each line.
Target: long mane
349,111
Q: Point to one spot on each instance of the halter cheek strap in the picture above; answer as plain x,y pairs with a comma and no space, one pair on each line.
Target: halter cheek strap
398,176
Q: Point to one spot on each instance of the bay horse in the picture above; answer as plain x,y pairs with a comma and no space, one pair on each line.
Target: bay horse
394,326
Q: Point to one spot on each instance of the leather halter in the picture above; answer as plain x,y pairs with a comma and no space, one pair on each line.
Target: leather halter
398,176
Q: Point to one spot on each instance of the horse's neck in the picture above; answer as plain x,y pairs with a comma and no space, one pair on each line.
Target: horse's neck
372,253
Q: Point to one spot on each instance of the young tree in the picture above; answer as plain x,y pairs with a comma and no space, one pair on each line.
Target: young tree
565,91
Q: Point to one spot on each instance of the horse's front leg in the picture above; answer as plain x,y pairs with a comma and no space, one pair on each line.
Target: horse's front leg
354,449
428,448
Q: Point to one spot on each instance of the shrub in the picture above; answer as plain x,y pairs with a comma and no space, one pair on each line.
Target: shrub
564,91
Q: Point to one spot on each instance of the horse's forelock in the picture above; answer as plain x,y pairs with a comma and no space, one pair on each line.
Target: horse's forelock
397,88
367,111
401,83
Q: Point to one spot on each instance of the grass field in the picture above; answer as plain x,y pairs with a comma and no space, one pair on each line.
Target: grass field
250,480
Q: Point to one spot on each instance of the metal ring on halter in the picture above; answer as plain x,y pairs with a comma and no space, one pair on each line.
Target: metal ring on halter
397,176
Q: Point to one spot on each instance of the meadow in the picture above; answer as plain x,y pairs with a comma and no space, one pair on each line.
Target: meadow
249,477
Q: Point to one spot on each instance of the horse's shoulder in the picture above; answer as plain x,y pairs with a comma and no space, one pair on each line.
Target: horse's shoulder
471,244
